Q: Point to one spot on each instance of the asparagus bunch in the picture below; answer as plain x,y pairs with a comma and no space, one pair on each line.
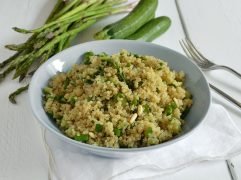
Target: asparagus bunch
66,20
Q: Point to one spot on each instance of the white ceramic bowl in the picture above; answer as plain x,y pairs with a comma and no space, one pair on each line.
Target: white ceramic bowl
195,83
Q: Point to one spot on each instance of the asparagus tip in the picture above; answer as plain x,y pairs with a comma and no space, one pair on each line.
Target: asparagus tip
24,31
16,29
101,35
11,98
11,47
16,74
21,77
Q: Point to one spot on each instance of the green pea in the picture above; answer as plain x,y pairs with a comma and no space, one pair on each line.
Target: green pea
147,108
98,127
82,137
148,131
117,132
170,108
66,82
47,90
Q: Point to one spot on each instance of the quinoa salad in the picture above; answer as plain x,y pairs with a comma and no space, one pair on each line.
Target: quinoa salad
122,100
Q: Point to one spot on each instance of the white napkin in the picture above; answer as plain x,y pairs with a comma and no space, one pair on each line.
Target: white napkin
216,138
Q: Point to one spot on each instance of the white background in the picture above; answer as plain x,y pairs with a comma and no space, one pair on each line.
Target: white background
214,26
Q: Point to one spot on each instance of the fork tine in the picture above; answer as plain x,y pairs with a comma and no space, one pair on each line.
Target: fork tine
195,49
195,57
188,50
185,49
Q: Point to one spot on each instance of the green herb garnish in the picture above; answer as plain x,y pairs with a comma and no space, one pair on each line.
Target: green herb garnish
98,127
128,64
130,84
170,108
103,54
147,108
136,55
82,137
90,99
86,57
117,132
119,95
121,75
47,90
135,102
173,85
160,67
66,82
60,99
185,112
148,131
100,72
72,100
50,114
89,81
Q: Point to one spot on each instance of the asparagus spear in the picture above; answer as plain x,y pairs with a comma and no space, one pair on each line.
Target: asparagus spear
64,23
17,92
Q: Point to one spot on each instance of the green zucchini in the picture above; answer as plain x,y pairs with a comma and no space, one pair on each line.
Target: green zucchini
152,29
142,13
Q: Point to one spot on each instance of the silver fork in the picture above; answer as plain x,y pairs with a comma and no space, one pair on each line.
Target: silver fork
202,61
230,165
190,53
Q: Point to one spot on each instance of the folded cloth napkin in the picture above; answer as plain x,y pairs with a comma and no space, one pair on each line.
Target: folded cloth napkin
216,138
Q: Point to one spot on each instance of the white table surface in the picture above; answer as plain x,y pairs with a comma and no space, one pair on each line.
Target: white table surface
214,26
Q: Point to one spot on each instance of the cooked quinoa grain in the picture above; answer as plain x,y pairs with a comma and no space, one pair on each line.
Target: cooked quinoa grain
118,101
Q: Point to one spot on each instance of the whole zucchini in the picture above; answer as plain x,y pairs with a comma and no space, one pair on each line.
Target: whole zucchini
152,29
142,13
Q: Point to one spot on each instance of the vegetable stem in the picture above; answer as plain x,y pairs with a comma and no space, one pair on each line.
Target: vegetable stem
66,20
12,96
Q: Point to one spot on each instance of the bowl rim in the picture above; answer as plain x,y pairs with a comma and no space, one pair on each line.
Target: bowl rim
108,149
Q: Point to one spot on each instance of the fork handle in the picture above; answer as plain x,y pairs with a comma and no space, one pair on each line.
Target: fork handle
226,96
226,68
